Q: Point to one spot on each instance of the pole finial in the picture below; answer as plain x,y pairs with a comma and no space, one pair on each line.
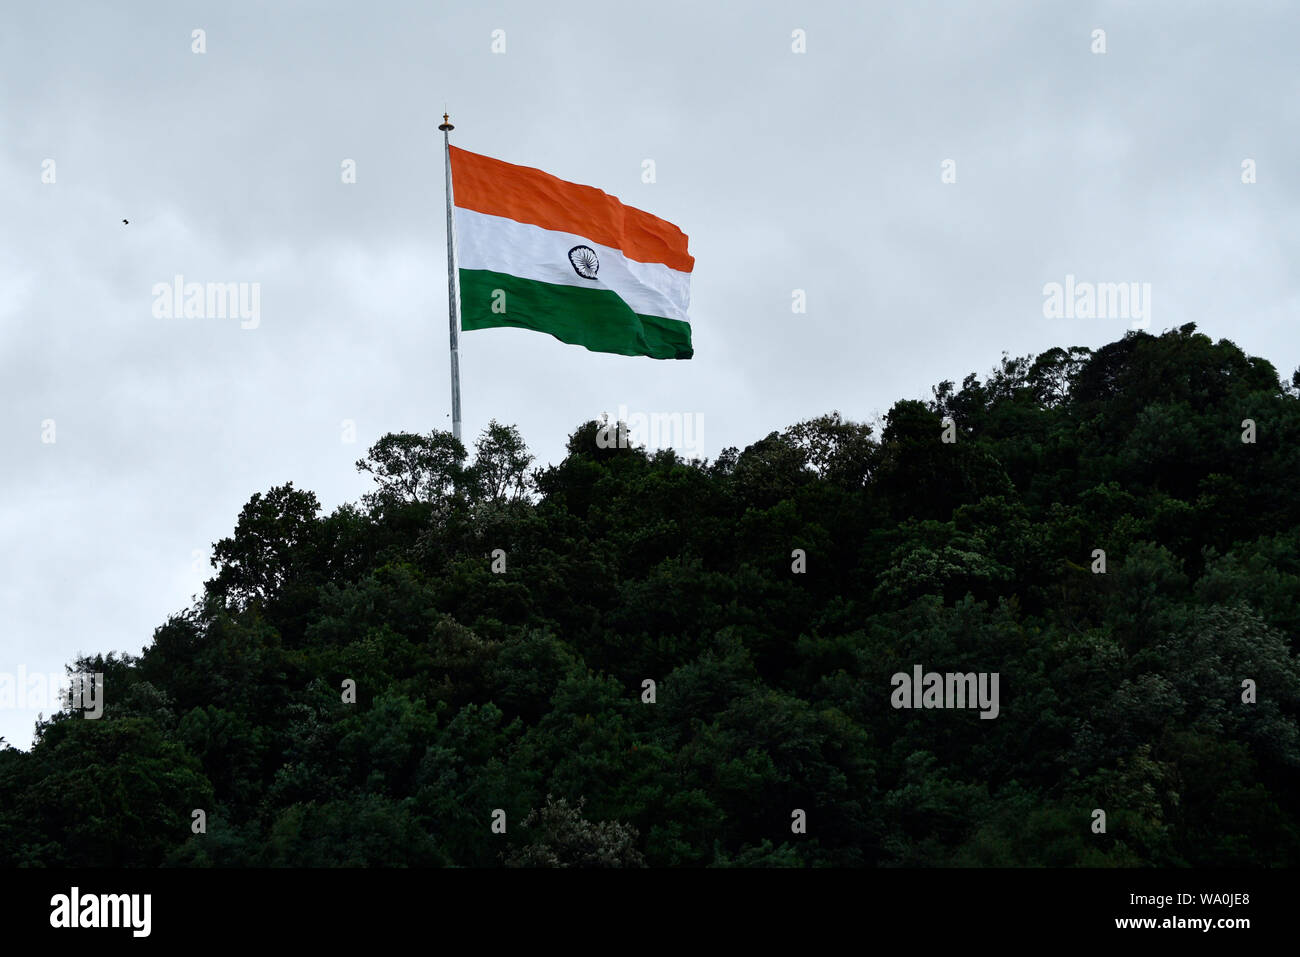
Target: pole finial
446,123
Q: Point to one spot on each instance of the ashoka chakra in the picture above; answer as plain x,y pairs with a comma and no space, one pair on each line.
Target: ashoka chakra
584,261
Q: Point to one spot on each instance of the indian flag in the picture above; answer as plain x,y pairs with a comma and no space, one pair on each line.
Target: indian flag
536,252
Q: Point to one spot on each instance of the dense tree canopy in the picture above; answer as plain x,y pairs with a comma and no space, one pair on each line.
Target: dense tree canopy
500,626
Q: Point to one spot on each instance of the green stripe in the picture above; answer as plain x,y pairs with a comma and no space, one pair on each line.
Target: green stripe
595,318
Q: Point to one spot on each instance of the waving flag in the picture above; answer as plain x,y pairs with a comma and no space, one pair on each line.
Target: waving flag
536,252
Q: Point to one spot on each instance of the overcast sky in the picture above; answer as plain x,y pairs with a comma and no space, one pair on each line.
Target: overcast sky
819,171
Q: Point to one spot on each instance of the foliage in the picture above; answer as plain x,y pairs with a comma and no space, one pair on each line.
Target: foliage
519,688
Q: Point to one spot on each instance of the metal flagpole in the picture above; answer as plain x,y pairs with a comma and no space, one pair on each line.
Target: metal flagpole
453,286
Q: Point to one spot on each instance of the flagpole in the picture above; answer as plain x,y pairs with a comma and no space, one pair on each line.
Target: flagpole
453,286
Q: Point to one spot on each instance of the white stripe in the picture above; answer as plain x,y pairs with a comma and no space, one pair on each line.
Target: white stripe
531,252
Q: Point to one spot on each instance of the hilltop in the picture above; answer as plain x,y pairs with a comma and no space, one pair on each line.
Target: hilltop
499,624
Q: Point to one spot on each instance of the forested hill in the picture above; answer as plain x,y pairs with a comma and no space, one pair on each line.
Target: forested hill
771,596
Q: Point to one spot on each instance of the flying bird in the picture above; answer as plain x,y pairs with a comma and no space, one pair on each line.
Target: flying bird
124,222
